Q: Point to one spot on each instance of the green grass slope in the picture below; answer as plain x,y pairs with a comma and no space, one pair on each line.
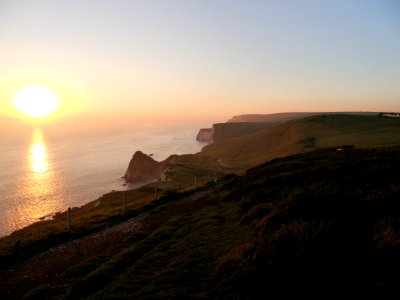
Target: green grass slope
288,116
317,224
306,134
277,117
226,131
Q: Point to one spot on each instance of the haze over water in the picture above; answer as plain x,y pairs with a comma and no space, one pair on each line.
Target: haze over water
40,176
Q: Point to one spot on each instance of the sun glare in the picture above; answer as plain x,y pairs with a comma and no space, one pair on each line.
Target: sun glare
36,101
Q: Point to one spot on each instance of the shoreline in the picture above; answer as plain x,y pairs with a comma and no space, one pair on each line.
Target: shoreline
81,168
50,216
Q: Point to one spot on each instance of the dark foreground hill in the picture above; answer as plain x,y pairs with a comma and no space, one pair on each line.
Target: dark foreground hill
321,224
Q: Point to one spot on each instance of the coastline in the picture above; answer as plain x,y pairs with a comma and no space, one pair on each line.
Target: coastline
75,170
93,203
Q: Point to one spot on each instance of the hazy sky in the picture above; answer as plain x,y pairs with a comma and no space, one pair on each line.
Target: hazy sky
203,60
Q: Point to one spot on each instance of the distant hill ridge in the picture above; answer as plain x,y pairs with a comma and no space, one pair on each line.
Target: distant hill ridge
306,134
249,123
277,117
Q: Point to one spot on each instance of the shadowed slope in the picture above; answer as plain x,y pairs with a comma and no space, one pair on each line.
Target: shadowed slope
323,223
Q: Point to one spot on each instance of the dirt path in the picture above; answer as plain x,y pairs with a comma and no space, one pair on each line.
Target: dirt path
49,265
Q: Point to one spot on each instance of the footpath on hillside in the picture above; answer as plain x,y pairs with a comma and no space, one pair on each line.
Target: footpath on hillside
48,266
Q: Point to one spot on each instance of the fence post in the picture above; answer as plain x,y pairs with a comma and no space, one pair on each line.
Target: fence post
69,219
124,202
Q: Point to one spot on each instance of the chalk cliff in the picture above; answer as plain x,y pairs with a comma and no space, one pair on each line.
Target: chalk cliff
205,135
224,131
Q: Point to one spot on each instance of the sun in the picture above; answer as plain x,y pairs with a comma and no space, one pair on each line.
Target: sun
36,101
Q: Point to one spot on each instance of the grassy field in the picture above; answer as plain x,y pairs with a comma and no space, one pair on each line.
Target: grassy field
304,135
226,131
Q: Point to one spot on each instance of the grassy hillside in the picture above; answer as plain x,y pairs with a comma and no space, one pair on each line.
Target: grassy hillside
284,117
226,131
319,224
322,223
304,135
277,117
240,146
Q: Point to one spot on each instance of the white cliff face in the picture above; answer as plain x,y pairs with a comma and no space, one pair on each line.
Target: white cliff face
205,135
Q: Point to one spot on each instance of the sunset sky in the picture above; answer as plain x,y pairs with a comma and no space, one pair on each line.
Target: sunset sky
202,60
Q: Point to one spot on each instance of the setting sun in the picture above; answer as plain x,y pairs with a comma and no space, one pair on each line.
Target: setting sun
36,101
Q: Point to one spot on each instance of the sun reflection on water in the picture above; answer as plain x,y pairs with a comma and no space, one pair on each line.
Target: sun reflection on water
38,154
39,192
41,175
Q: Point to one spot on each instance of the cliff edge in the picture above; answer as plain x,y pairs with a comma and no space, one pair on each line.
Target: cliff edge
205,135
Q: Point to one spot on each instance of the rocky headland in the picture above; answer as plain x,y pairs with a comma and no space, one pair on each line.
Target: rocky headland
143,168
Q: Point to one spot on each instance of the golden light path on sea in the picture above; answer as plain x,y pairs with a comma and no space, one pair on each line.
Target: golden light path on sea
38,157
39,183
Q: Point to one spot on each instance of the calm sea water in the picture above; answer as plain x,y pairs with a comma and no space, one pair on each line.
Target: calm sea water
40,175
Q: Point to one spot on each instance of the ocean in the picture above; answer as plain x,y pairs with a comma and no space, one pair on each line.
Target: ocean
41,175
